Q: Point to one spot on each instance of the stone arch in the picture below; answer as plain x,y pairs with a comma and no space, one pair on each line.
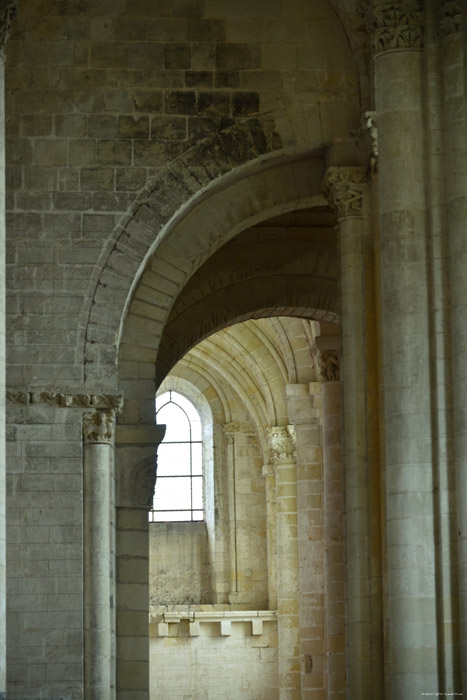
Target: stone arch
240,178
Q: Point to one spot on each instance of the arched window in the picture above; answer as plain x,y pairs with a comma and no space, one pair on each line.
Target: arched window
179,486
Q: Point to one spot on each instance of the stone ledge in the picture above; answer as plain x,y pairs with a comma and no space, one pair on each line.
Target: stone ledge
163,617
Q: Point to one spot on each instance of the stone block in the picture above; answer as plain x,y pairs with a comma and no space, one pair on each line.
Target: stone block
227,79
238,56
245,103
177,56
110,152
214,103
167,29
205,30
199,78
169,128
74,125
130,178
36,125
102,126
145,153
188,8
133,127
148,100
180,102
97,179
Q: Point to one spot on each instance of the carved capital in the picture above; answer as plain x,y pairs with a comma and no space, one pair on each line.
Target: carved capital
282,444
328,364
396,25
99,426
8,15
143,482
343,188
451,20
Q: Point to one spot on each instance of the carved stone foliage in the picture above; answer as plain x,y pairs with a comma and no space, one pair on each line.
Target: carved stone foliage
451,20
397,24
328,362
9,13
343,188
282,444
143,482
53,398
99,426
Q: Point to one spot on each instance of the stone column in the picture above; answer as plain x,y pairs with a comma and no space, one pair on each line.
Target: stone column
9,12
333,525
98,432
269,474
456,217
136,466
282,446
304,411
411,557
344,188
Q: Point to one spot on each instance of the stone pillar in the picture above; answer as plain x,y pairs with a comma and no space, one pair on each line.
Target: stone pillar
136,465
304,411
456,217
282,446
269,474
411,558
333,530
98,432
8,15
344,188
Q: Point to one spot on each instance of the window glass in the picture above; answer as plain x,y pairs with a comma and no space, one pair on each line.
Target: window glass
179,487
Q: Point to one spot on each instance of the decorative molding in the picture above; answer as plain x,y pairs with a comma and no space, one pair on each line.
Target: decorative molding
396,25
99,426
343,188
282,444
239,427
451,19
328,364
65,400
143,482
371,127
8,15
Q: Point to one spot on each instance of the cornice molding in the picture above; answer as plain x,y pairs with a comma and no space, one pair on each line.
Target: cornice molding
343,188
282,440
451,19
21,397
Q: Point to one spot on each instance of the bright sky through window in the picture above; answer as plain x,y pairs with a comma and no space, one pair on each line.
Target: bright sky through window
179,487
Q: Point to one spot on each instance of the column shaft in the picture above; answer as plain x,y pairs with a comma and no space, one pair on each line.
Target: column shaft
2,388
412,632
333,536
97,568
287,582
456,214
